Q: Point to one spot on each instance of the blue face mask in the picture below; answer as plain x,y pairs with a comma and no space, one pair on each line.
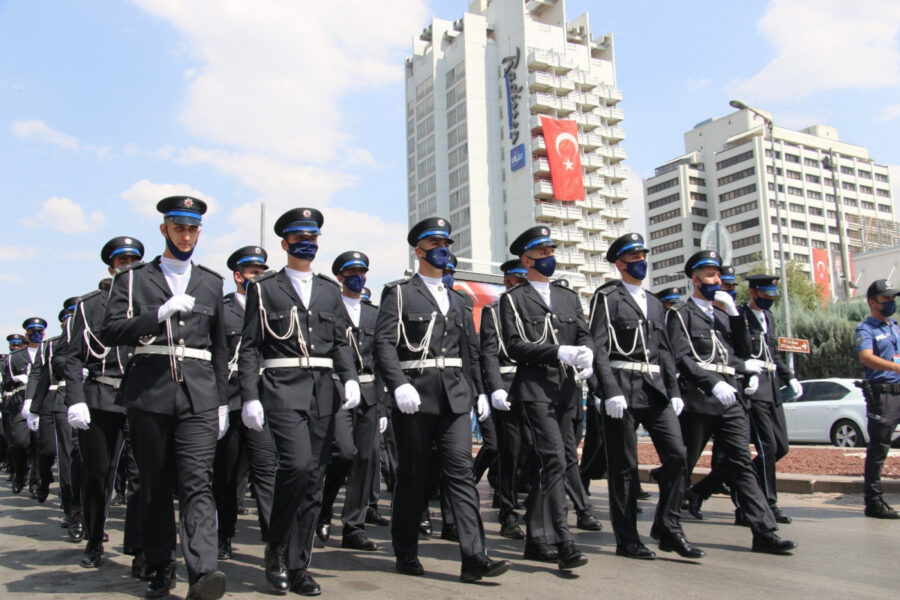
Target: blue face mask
887,308
355,283
448,280
438,257
305,249
36,336
245,283
545,266
178,254
637,269
732,293
708,290
764,303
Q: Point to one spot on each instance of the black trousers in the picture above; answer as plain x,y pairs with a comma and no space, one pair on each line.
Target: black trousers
509,437
177,451
769,433
884,415
546,509
490,448
574,487
58,440
415,436
100,445
732,430
593,453
262,460
620,441
20,448
387,465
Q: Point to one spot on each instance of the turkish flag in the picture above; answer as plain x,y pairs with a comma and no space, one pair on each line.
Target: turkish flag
821,272
564,155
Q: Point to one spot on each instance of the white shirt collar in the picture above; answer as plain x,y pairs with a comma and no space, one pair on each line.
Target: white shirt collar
541,286
241,299
435,281
174,265
303,276
351,302
703,303
633,289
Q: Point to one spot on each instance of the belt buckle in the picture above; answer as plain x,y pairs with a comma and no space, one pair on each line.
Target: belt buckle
178,352
643,368
304,362
440,362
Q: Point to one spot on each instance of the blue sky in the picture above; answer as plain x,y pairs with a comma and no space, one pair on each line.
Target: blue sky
106,107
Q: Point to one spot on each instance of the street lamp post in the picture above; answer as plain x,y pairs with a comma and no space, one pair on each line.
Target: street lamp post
786,300
830,164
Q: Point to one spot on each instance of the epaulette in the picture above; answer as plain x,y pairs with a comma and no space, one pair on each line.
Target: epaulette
229,298
330,280
208,270
397,282
263,276
607,288
135,265
89,295
560,286
515,287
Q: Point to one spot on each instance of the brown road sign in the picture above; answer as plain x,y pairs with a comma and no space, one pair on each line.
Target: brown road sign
786,344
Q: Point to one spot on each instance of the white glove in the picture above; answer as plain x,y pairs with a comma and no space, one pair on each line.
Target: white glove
382,424
727,301
677,405
499,399
179,303
752,385
79,416
568,354
253,416
407,399
615,406
484,407
724,393
351,394
21,378
223,421
598,404
26,408
84,374
585,373
754,366
585,358
32,421
796,388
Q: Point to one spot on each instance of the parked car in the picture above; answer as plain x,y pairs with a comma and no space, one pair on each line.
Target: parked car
830,410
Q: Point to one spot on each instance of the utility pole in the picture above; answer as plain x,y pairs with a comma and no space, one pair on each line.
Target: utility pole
830,164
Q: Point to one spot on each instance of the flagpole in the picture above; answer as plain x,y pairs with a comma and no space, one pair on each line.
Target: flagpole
262,224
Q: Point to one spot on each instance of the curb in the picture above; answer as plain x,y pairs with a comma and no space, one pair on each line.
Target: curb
794,483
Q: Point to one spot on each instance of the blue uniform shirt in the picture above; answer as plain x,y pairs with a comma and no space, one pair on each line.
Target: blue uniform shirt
883,339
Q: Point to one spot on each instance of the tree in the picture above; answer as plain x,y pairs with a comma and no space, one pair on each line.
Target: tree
803,292
830,332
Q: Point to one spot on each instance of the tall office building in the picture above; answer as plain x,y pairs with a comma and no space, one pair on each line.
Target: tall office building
475,90
729,174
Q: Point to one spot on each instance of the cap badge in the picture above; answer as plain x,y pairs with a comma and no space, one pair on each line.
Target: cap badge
188,202
441,223
356,255
306,212
544,232
258,250
634,236
127,240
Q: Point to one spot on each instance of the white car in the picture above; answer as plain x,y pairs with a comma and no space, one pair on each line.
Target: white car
830,411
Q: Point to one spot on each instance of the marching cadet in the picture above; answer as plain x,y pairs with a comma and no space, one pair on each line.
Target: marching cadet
637,385
878,344
16,341
19,366
239,442
729,281
422,353
294,339
669,297
175,392
703,342
365,421
767,422
544,331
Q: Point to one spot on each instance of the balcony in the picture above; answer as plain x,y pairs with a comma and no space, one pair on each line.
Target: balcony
617,212
594,245
591,162
614,233
538,6
595,267
571,213
543,189
566,234
541,81
547,212
590,141
615,152
565,106
619,192
616,174
615,115
593,182
542,102
538,145
592,223
565,83
541,167
594,201
534,121
585,80
590,122
576,280
586,100
541,59
569,258
610,93
616,133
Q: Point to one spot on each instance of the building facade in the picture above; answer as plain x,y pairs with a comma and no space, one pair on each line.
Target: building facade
729,175
475,90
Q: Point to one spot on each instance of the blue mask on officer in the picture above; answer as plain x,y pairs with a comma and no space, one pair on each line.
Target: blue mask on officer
305,249
637,269
448,281
708,290
764,303
545,266
438,257
36,336
355,283
887,308
178,254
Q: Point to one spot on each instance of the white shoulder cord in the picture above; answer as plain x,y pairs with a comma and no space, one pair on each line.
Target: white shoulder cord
232,363
88,336
548,329
294,324
500,343
351,340
424,343
129,312
763,346
717,345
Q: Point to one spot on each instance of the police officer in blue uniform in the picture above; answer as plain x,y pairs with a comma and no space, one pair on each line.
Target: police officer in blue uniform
878,345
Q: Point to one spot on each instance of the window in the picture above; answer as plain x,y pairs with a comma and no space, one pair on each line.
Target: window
769,154
798,224
885,208
794,191
797,208
669,262
881,177
864,174
815,227
696,181
699,226
882,193
770,170
813,178
743,225
748,189
848,186
772,187
868,205
423,89
747,241
668,246
734,159
813,195
791,158
810,162
740,208
698,196
426,187
664,201
654,235
851,202
794,175
666,279
425,126
847,170
736,175
818,244
700,212
670,214
743,260
798,241
661,186
865,189
816,212
459,197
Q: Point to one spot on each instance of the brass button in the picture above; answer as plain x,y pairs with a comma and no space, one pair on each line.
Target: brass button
130,354
181,323
443,350
310,328
312,347
181,342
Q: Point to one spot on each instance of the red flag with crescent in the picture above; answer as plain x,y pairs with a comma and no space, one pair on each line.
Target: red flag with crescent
564,155
821,271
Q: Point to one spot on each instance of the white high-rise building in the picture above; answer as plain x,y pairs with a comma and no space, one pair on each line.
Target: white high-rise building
475,90
728,173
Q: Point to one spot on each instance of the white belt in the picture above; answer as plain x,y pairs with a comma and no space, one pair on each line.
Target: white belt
724,369
232,367
431,363
634,366
179,352
770,367
113,382
303,362
508,369
363,377
56,386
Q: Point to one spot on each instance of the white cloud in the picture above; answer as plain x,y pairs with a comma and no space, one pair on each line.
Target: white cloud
890,112
40,131
144,195
66,216
694,85
17,253
824,45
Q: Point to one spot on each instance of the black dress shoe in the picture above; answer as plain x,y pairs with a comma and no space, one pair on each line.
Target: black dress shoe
163,581
359,541
91,557
479,566
17,487
42,494
569,556
540,552
510,528
588,522
635,550
425,524
210,586
33,491
276,569
643,494
678,543
780,517
323,532
409,565
449,532
772,544
76,530
692,503
225,552
373,517
64,523
105,537
879,509
302,583
118,500
139,567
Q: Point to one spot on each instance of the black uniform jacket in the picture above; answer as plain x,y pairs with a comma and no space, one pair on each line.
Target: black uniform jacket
43,398
768,388
361,340
449,339
492,355
149,384
696,382
539,375
628,322
323,326
19,363
234,327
